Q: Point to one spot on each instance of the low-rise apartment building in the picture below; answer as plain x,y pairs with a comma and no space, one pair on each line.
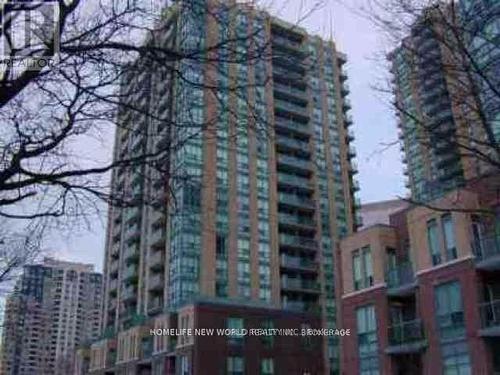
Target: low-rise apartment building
422,294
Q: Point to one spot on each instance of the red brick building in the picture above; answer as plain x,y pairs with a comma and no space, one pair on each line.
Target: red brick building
422,294
139,350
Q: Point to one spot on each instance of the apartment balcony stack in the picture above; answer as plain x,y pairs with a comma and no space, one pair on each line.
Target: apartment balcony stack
254,222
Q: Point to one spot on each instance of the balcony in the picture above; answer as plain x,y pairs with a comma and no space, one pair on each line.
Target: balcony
346,105
355,185
132,254
301,306
113,268
300,285
294,181
113,284
350,135
155,305
344,89
129,293
288,45
157,238
351,152
347,120
287,75
297,263
293,144
133,233
296,221
294,163
353,167
292,108
156,261
290,91
298,201
490,318
341,58
401,280
487,252
115,251
291,126
132,215
297,242
130,273
112,303
156,282
406,337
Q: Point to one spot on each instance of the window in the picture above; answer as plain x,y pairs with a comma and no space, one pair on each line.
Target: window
236,324
268,340
235,366
449,237
356,270
433,241
456,360
449,310
367,340
184,365
367,265
267,366
362,268
477,236
367,329
306,340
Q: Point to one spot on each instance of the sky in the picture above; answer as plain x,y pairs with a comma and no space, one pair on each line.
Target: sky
380,168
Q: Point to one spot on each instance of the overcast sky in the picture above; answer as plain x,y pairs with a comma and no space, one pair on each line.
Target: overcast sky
380,173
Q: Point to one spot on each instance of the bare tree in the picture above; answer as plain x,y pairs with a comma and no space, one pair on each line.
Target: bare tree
17,247
443,86
48,106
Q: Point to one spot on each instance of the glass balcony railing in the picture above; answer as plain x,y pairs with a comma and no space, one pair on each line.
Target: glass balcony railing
296,262
298,241
130,272
490,313
156,282
352,151
301,306
287,74
113,284
158,236
294,46
295,127
155,304
129,293
355,185
406,332
291,107
294,180
156,260
293,143
486,247
296,200
400,275
113,268
132,252
290,90
300,284
294,162
296,220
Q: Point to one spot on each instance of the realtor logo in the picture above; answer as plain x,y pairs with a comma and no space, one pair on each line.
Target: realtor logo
29,34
